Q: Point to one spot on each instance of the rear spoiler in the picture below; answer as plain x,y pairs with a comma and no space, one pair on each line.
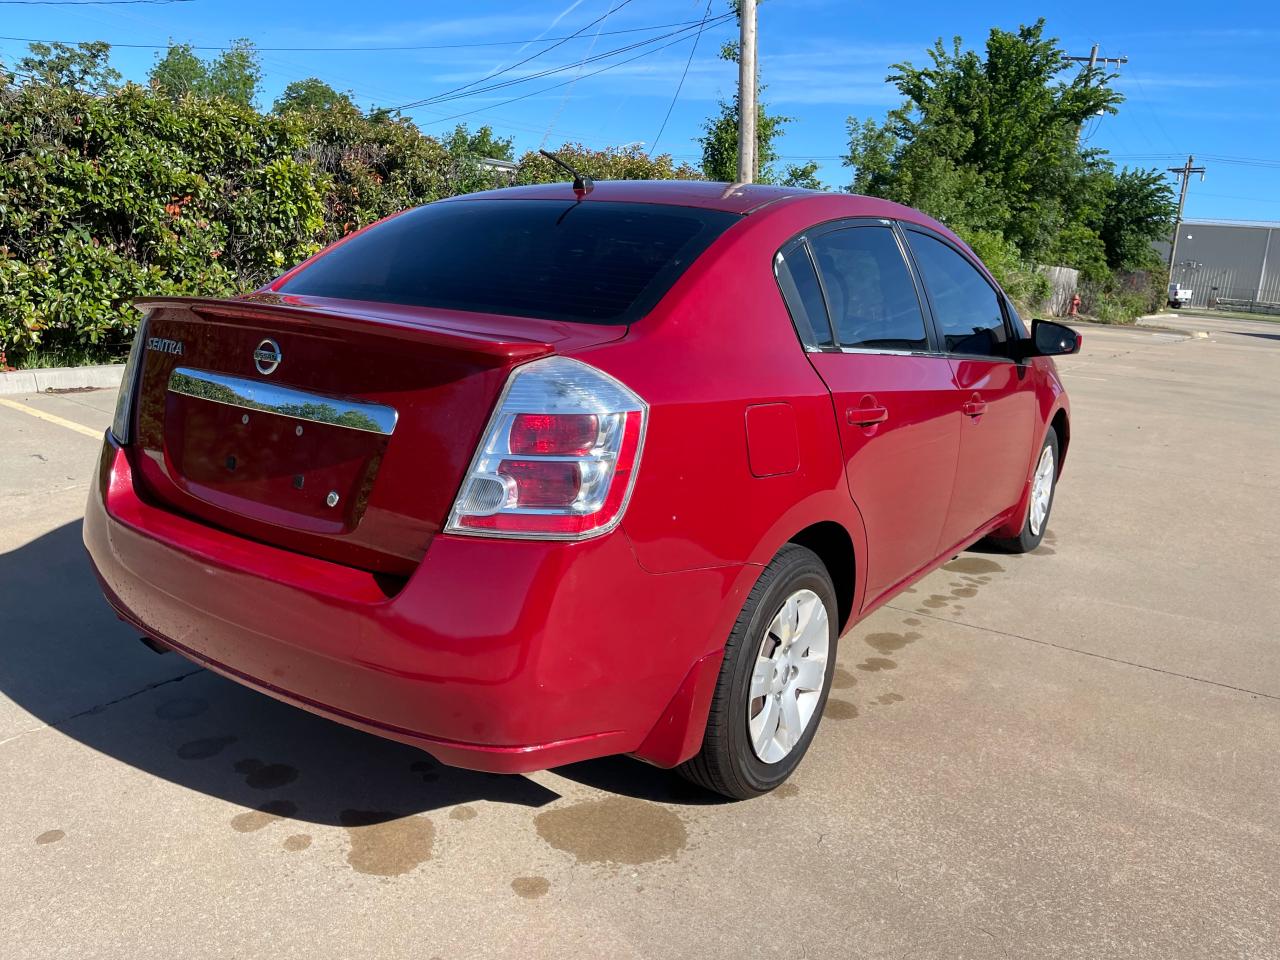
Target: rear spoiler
406,323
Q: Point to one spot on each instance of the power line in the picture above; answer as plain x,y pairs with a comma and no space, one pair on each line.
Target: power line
706,15
520,63
423,46
564,83
443,98
568,93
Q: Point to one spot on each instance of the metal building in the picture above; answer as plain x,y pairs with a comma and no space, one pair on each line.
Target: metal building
1232,265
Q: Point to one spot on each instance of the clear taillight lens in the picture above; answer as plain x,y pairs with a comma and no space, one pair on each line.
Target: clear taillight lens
558,458
122,422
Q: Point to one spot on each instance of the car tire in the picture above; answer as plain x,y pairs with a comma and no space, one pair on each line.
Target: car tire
1038,510
730,761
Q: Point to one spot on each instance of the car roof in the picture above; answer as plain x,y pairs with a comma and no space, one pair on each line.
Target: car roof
741,198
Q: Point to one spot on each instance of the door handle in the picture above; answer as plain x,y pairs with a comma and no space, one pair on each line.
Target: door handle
866,416
975,406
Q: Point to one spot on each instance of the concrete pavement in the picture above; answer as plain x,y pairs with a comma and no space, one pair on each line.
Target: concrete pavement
1073,753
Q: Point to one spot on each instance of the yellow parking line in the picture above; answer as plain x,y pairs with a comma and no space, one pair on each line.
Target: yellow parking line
51,418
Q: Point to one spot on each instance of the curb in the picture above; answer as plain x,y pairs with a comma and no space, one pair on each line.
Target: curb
103,376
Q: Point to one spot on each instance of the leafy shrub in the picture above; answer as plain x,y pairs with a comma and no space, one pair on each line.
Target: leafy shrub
106,197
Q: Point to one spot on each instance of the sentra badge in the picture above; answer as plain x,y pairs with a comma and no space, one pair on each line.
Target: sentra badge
161,345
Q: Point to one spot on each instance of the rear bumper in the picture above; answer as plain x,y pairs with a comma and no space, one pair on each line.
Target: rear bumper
505,656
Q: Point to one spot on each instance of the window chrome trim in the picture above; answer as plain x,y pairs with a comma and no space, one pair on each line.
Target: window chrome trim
283,401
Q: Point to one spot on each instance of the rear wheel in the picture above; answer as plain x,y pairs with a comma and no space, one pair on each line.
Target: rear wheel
1044,483
773,682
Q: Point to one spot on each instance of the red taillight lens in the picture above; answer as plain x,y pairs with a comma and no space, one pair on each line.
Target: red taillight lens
559,457
563,434
543,483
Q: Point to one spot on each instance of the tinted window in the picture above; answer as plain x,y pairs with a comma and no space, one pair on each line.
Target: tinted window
800,289
597,262
869,290
965,306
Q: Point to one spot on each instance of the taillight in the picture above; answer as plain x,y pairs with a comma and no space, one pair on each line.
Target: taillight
122,422
558,458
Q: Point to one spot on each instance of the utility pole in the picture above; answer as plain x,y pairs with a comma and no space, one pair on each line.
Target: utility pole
1183,173
747,91
1093,60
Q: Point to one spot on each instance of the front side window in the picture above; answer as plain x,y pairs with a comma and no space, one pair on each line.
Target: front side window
869,289
965,306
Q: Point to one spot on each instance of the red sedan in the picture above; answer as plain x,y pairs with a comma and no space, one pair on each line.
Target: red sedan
538,475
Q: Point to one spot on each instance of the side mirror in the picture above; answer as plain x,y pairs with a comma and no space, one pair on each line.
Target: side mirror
1049,339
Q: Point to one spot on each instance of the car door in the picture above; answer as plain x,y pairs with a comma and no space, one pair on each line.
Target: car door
893,393
994,394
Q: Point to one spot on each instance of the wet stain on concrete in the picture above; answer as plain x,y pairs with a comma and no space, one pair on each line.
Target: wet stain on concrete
205,748
266,776
840,710
842,679
965,592
299,841
614,830
909,590
531,888
973,565
876,664
50,836
267,814
1043,551
887,698
785,791
386,845
463,813
912,622
181,708
936,601
889,642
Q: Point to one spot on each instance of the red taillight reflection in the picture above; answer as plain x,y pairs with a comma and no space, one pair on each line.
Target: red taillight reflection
566,435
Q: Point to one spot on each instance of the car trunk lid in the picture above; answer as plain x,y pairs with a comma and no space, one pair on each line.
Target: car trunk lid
339,429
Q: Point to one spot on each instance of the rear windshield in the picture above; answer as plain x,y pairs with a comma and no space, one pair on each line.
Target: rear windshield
593,262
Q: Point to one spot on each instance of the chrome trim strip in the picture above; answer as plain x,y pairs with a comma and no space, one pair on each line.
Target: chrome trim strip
286,402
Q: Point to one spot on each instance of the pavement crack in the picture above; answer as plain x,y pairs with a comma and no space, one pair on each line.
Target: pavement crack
1090,653
99,708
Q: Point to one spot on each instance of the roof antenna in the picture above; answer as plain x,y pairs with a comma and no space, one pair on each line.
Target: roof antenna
582,184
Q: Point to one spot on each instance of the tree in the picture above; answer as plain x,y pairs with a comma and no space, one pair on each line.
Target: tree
312,94
233,75
1139,209
802,175
482,145
989,145
85,67
179,72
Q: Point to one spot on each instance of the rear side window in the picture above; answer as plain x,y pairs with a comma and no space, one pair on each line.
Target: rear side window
965,306
592,262
869,289
803,295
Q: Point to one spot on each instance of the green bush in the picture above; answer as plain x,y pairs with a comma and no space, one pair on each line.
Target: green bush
106,197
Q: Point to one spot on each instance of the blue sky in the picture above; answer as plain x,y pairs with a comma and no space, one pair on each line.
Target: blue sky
1201,79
